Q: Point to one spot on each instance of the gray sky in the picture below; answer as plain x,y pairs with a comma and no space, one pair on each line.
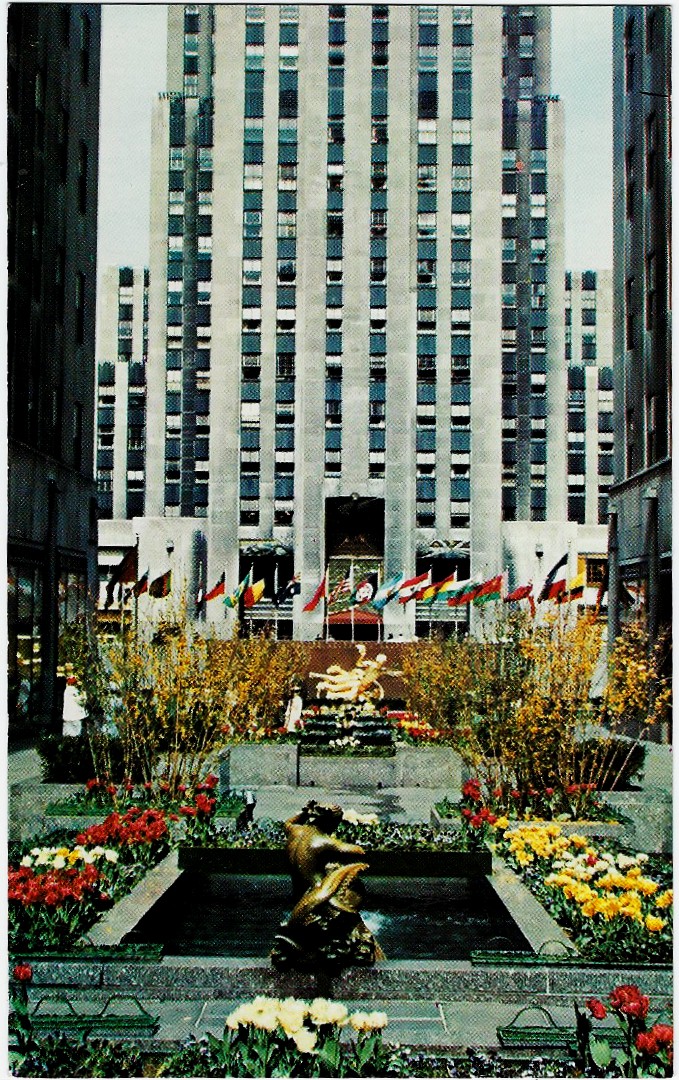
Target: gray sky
133,72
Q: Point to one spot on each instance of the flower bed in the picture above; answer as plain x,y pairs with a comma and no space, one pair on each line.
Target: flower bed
390,848
612,903
98,795
56,893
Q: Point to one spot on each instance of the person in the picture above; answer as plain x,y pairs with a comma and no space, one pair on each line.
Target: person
74,706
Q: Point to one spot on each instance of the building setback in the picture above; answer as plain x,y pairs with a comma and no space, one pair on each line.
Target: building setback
53,116
640,527
356,306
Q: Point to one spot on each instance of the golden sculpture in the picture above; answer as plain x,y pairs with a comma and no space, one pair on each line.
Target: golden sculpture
325,931
359,683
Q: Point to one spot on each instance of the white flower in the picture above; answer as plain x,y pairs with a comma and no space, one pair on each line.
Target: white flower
26,861
59,862
43,857
111,856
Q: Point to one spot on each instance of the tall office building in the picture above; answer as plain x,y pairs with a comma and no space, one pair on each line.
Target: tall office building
53,117
640,531
356,301
589,352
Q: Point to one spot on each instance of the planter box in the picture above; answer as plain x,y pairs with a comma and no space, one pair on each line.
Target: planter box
348,772
384,863
247,765
410,766
429,767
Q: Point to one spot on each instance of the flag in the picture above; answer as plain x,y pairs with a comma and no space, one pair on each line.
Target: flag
253,593
490,590
233,599
126,570
555,582
522,592
601,591
413,586
217,590
343,588
365,591
431,593
318,595
387,591
142,585
293,588
575,590
161,586
464,592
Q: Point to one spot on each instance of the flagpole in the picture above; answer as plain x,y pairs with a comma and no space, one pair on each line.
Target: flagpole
134,592
351,584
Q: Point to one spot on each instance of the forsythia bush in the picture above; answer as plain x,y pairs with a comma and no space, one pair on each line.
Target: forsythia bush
518,708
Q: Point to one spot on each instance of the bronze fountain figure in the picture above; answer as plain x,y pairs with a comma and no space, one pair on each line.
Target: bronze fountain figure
325,931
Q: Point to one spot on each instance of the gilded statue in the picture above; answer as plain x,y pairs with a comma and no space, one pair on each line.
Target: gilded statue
325,931
359,683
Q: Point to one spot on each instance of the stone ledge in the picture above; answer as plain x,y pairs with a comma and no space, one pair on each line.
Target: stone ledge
124,916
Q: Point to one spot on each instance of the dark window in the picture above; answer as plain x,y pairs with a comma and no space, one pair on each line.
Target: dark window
82,177
85,48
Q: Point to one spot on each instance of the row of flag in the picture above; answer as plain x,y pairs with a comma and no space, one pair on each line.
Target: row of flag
369,590
457,593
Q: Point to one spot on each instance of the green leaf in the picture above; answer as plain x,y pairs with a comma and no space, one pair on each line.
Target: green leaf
601,1052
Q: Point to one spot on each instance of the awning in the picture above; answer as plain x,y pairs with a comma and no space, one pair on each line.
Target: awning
361,615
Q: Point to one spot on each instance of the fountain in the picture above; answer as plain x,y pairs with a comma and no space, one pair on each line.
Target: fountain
324,930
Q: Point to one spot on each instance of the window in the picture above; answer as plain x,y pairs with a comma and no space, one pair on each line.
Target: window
650,290
538,250
252,271
651,148
378,319
379,133
336,133
426,131
460,272
461,226
462,131
378,270
333,319
176,157
426,177
461,177
426,224
252,225
335,176
287,224
333,274
378,222
253,176
287,271
335,223
426,271
83,156
378,175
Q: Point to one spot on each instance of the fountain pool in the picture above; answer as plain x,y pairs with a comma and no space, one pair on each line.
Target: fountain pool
218,914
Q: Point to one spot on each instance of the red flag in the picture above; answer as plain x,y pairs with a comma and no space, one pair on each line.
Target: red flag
216,590
161,586
555,582
126,571
318,595
413,586
522,592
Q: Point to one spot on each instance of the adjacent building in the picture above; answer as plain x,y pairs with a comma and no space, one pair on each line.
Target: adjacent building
356,342
589,351
53,117
640,529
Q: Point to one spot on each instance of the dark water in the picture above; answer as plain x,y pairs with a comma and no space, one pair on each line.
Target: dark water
412,918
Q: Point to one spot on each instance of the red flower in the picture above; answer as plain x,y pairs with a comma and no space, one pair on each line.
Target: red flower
148,785
204,804
187,811
647,1043
498,792
597,1008
663,1034
572,789
111,789
471,789
92,784
181,788
629,1001
466,812
591,860
549,791
23,972
515,794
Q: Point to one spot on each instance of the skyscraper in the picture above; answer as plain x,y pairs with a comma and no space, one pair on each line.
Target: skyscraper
356,318
53,114
640,536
